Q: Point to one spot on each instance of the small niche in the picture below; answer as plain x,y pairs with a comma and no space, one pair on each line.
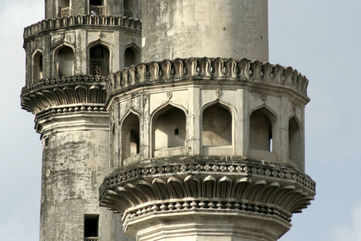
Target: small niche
91,226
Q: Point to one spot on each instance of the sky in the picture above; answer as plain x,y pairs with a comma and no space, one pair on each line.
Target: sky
319,38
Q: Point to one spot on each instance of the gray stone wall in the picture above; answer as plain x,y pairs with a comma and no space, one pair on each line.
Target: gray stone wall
75,162
198,28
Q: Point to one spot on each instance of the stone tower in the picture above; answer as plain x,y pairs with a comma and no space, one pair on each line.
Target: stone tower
68,58
178,146
209,148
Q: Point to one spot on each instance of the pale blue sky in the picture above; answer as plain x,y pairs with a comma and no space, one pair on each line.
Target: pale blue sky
319,38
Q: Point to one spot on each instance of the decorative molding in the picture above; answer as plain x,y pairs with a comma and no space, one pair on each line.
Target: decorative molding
208,183
48,93
205,206
76,21
239,72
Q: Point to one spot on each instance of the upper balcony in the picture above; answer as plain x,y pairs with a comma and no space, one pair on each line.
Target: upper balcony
77,21
65,8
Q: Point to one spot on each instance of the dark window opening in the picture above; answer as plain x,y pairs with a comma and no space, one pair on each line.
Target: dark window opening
38,67
217,126
130,136
97,7
99,60
97,2
64,61
128,8
261,130
166,124
294,140
130,57
91,226
134,140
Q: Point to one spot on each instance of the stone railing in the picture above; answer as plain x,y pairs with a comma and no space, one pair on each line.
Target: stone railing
219,69
208,165
212,184
64,81
71,21
65,91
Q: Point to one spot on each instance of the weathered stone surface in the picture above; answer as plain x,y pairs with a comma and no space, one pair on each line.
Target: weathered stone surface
197,28
189,147
65,90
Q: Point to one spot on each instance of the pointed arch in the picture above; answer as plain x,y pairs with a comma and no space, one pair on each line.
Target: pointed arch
64,60
262,122
294,140
168,128
130,132
37,66
131,55
99,56
217,124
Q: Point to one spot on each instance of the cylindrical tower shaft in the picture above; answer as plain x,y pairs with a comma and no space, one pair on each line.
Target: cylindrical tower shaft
75,158
198,28
69,56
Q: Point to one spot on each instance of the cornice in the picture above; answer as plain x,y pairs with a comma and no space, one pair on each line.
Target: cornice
182,184
207,71
81,20
74,117
48,93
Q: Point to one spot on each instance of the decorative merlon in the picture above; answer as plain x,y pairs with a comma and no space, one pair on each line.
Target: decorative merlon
225,70
82,20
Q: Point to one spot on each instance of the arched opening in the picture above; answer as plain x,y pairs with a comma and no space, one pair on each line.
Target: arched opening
97,7
130,136
261,130
216,126
37,66
64,8
169,129
294,140
64,61
130,57
99,60
128,8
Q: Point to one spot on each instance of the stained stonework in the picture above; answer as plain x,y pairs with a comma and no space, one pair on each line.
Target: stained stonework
226,164
146,139
197,28
68,58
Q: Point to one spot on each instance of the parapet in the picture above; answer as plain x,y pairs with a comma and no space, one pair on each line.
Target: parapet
222,70
78,89
76,21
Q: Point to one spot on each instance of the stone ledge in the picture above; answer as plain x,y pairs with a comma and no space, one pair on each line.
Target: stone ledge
65,91
207,207
82,20
207,179
241,72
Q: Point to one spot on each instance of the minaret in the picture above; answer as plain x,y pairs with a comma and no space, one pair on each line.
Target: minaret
68,58
210,148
